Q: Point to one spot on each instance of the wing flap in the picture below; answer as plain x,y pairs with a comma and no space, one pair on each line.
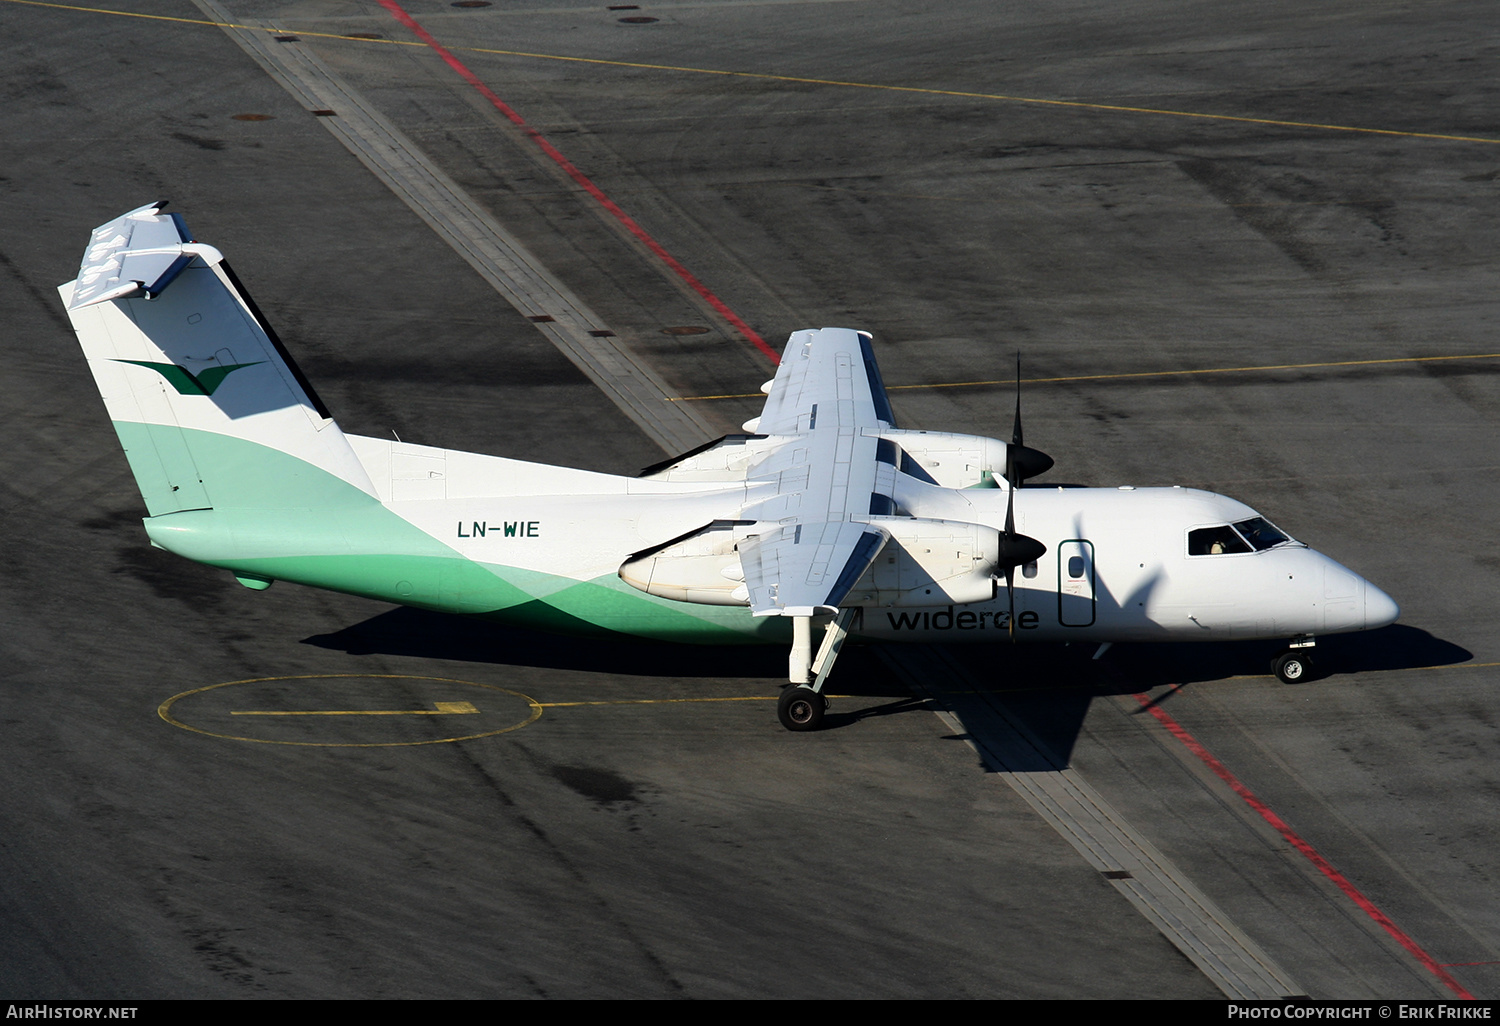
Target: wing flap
807,569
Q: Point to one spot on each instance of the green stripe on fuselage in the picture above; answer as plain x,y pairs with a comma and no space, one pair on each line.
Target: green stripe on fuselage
279,517
453,584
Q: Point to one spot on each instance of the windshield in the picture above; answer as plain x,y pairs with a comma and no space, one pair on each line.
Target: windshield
1215,541
1260,533
1254,535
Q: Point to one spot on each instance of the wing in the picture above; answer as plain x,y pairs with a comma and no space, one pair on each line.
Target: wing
830,472
819,368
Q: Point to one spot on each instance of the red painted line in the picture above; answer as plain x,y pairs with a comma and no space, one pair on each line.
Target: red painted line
1307,850
578,176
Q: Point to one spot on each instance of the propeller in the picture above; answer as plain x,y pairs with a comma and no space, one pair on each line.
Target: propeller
1015,550
1020,463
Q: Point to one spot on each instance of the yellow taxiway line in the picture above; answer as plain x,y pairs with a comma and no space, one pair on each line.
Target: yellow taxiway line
441,709
1114,108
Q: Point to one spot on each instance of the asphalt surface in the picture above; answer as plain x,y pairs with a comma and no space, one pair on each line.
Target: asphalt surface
654,832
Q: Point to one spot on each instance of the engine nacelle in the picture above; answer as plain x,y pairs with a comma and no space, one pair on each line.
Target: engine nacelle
930,563
925,563
723,459
701,566
951,460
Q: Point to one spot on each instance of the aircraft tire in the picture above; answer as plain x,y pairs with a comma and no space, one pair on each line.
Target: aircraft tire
1292,668
801,708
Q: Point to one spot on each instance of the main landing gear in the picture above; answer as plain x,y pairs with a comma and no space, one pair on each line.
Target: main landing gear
1295,665
802,705
801,708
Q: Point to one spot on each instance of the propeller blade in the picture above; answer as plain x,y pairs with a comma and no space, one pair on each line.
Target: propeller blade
1010,502
1022,462
1015,435
1017,549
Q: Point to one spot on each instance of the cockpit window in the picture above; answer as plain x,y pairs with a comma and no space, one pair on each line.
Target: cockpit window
1215,541
1261,533
1256,534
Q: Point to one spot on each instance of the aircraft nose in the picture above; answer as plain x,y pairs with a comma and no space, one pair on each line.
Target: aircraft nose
1380,608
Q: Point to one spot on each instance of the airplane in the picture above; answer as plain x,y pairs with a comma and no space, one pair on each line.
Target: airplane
822,521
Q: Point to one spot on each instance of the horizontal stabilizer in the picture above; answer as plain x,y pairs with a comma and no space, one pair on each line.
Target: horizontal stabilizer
138,253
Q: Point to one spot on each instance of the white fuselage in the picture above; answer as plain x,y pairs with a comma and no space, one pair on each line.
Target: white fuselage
1117,566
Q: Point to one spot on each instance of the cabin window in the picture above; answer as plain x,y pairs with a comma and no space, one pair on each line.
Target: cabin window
1215,541
1075,567
1029,570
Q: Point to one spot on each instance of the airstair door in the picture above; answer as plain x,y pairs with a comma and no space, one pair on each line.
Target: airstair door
1075,583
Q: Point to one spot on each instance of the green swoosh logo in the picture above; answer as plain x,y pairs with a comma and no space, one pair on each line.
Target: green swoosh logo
188,383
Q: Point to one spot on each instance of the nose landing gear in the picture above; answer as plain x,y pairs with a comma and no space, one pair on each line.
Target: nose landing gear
1295,665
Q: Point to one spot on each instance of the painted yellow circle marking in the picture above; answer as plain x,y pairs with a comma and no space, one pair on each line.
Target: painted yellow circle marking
350,710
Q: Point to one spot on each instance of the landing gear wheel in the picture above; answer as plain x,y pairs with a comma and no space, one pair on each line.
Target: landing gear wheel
1292,667
801,708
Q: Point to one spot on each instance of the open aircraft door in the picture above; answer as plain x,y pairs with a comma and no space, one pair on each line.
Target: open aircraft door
1075,583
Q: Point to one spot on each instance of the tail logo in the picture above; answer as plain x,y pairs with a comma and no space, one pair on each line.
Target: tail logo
188,383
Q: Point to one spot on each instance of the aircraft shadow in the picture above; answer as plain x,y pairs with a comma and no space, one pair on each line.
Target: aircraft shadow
1036,696
427,635
1040,695
1397,647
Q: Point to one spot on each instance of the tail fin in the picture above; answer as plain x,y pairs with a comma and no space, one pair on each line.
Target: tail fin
211,411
